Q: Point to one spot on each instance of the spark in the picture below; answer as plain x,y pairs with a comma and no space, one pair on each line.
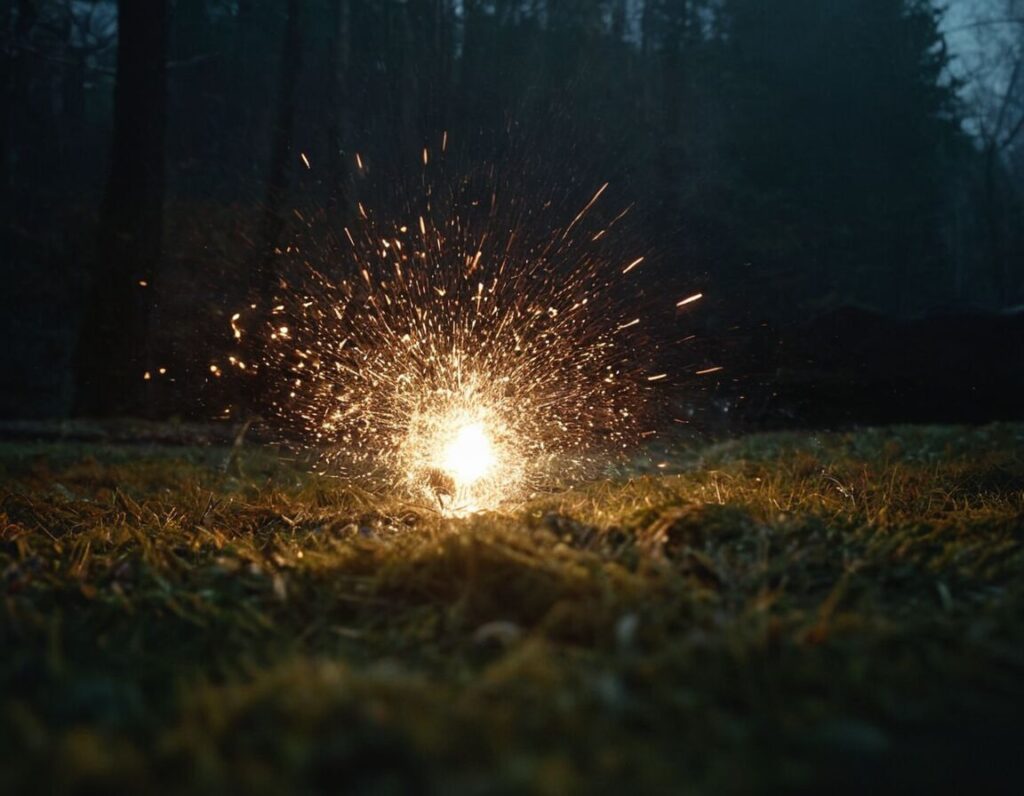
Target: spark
305,160
706,371
464,352
632,265
690,299
585,210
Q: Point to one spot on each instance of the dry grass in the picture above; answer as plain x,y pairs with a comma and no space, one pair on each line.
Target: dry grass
793,611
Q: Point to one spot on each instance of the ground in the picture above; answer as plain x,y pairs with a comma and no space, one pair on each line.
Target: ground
785,611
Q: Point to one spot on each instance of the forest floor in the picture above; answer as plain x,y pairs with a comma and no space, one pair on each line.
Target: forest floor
789,611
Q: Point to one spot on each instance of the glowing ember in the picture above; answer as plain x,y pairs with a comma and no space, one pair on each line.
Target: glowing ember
465,352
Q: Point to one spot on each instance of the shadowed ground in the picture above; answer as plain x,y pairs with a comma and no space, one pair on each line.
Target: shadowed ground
800,611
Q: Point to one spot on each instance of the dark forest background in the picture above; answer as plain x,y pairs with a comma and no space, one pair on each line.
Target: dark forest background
793,159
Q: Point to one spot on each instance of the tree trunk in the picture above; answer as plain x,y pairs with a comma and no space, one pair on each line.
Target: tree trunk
266,273
114,349
281,149
14,79
339,56
993,228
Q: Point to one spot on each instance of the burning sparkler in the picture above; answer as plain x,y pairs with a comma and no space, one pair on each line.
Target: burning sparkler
463,354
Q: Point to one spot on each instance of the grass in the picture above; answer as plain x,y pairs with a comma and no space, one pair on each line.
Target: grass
787,611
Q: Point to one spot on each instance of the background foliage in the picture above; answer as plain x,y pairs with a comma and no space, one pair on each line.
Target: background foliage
795,155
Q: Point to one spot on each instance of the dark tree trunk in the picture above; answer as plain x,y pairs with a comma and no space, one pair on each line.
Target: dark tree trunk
428,70
993,227
672,82
281,150
619,20
114,349
14,78
265,272
241,124
338,126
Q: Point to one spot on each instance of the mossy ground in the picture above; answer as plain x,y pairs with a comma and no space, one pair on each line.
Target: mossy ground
789,611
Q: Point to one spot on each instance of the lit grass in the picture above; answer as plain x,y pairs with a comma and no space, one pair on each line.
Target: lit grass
799,611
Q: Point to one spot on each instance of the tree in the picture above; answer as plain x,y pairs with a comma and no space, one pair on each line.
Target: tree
114,350
845,121
992,71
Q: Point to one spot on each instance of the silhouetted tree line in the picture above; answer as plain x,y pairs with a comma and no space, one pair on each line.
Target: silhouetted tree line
793,155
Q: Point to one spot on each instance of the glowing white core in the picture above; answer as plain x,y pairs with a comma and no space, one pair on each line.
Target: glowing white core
469,455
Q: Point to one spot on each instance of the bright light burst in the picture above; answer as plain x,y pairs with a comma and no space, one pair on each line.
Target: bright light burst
460,451
468,455
474,349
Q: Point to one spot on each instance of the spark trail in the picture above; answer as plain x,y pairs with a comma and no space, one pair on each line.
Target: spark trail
466,351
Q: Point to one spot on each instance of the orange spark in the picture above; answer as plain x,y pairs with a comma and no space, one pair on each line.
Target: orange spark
632,265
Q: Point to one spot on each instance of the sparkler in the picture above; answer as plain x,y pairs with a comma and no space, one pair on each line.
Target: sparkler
465,352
